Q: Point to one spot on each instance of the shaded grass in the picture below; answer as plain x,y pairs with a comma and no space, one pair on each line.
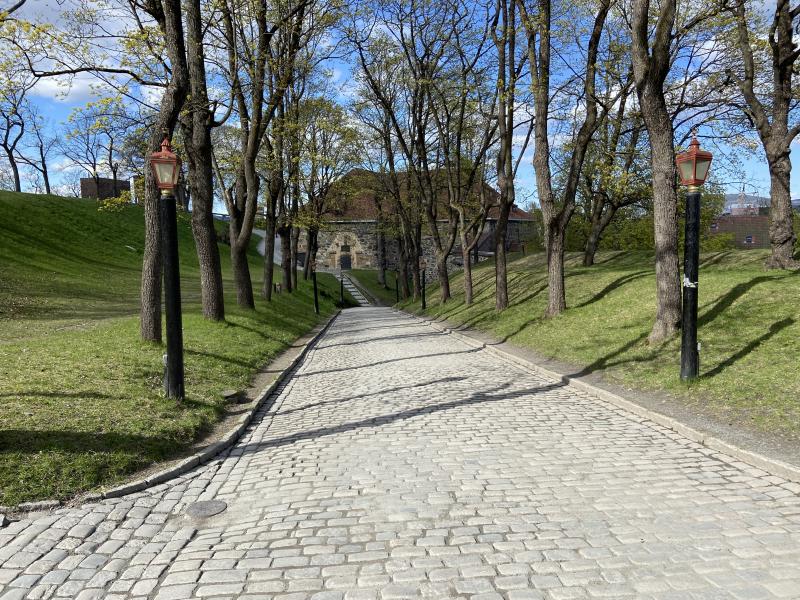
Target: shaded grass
749,329
80,395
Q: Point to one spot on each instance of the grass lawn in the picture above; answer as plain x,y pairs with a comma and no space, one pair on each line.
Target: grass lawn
368,278
749,329
81,403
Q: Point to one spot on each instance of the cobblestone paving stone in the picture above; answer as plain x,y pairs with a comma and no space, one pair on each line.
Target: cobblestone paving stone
398,462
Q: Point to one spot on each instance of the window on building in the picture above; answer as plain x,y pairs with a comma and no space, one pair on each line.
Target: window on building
345,248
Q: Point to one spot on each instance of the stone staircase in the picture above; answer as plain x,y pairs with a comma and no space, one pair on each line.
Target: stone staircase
353,290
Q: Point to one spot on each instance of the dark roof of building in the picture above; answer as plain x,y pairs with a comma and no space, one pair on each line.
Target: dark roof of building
361,191
749,231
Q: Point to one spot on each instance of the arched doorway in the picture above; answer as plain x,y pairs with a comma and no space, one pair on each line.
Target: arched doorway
345,259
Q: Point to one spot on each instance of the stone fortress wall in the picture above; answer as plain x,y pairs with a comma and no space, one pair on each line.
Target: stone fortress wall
354,244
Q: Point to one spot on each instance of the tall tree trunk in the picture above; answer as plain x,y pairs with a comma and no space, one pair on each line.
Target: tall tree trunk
14,170
500,268
556,214
442,249
201,183
242,279
242,210
781,227
171,104
150,313
286,257
241,275
650,72
465,257
416,279
555,273
381,256
43,169
240,231
259,104
507,73
402,268
465,253
295,239
205,237
665,221
600,220
444,277
269,255
311,254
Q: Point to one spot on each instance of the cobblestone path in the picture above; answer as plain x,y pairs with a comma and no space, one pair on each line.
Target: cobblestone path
398,462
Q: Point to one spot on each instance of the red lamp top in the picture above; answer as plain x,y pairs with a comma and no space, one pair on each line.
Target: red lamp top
693,165
166,167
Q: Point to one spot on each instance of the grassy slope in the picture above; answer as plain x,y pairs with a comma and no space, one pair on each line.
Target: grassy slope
80,394
749,330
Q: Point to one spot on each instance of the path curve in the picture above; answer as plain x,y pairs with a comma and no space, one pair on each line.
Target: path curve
398,462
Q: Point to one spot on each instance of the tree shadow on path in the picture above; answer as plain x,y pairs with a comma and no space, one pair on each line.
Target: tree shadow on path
384,338
476,398
367,395
386,362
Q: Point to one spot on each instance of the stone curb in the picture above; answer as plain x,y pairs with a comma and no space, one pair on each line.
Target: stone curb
204,455
774,466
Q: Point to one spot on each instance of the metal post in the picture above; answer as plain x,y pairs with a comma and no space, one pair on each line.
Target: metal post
397,286
690,357
341,289
173,373
316,297
424,305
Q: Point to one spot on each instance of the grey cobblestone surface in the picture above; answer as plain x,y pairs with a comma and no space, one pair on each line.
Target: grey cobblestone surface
398,462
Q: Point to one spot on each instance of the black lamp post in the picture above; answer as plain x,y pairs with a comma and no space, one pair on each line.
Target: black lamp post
314,282
166,168
397,285
693,167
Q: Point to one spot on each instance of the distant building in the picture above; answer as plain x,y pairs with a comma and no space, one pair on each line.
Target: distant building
748,230
103,187
351,236
746,217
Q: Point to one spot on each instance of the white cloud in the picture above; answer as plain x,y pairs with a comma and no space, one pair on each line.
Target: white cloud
77,89
152,95
62,165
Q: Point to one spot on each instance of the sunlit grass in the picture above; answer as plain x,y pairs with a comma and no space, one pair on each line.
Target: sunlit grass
80,395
